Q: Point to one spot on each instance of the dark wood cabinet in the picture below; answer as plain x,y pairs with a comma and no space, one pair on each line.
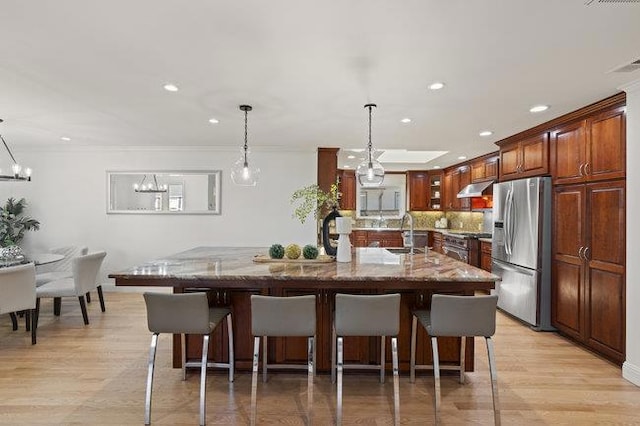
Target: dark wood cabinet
588,287
590,150
454,180
484,169
425,190
485,255
436,241
363,238
347,189
526,158
447,190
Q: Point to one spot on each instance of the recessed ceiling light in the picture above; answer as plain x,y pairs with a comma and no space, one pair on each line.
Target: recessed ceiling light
65,138
346,166
539,108
351,157
170,87
436,167
486,133
213,121
406,120
462,157
436,86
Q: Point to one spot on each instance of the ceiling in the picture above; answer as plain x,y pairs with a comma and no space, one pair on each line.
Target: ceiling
94,71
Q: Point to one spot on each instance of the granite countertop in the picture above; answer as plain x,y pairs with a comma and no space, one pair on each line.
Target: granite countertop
485,240
236,264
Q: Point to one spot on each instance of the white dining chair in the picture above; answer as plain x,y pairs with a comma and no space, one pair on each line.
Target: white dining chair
18,290
85,272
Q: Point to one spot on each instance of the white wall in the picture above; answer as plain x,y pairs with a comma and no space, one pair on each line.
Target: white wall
68,197
631,367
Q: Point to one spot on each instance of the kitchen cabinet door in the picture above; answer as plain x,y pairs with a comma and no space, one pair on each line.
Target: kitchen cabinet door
485,255
347,189
509,161
448,190
418,190
526,158
606,140
569,153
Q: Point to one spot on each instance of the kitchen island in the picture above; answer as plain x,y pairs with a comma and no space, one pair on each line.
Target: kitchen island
230,276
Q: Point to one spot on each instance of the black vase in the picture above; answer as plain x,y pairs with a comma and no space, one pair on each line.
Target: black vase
328,248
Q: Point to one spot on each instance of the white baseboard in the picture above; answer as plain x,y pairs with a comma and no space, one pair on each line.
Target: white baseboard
631,373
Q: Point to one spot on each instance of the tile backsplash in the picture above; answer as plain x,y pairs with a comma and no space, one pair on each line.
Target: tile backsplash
463,221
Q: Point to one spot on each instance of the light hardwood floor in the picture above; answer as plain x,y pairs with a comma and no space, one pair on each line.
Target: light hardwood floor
95,375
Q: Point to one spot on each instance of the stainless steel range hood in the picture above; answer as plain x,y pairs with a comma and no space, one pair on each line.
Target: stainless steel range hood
476,190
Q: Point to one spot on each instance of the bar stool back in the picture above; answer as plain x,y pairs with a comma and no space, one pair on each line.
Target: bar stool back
278,317
183,314
367,315
457,316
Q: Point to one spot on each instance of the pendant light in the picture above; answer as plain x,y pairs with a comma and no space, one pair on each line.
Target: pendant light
370,172
18,173
242,173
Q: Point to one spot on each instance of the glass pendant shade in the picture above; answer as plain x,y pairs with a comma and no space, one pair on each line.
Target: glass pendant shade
243,173
370,172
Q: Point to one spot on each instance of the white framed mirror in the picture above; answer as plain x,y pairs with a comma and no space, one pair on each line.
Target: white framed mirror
164,192
387,201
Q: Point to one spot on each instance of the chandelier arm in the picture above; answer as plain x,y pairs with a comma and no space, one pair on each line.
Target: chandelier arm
155,180
8,150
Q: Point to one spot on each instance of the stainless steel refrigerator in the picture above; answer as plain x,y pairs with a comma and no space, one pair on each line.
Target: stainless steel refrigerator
521,249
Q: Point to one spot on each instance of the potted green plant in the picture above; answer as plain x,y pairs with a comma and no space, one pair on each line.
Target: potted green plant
312,199
14,223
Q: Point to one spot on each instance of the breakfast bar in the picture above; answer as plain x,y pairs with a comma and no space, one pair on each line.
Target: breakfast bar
230,276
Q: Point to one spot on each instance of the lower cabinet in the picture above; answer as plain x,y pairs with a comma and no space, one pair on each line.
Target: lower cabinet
293,350
485,255
588,287
436,241
364,238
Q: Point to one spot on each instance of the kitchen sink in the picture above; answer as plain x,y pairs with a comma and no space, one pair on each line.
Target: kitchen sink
404,250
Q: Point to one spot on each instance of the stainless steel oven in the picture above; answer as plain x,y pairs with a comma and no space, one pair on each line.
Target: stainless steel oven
456,247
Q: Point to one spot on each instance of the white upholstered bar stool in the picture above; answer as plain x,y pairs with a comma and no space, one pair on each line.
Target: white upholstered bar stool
60,270
457,316
281,317
183,314
366,315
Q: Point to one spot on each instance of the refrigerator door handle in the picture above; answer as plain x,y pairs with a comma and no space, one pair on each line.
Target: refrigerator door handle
512,221
506,222
513,268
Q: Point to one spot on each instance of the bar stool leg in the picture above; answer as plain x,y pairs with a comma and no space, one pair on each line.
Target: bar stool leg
152,361
311,348
412,363
264,359
14,320
383,341
463,344
333,353
396,381
231,351
436,378
494,380
254,378
340,365
203,380
183,349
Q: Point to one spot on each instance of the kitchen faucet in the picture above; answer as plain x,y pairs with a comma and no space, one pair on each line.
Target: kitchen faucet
407,214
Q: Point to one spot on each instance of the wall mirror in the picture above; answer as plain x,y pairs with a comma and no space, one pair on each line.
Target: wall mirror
386,201
164,192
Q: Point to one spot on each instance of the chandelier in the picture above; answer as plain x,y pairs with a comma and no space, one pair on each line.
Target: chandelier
17,172
242,173
149,188
370,172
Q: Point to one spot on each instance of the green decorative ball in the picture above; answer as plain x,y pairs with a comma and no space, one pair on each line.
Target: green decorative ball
276,251
310,252
292,251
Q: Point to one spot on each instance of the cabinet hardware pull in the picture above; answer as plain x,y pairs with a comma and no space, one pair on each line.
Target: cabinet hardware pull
585,254
586,169
580,172
580,252
217,296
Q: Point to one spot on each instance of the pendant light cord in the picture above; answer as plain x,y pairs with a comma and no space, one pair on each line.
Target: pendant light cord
246,147
370,146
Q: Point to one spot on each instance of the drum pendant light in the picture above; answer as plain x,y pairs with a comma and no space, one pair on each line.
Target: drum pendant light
242,173
370,172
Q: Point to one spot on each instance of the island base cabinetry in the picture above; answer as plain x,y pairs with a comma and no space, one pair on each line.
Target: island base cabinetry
293,350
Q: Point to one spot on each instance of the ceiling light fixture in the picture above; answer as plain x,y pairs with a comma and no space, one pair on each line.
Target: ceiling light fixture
170,87
151,187
462,157
351,157
241,173
370,172
18,172
406,120
65,138
485,133
436,86
213,121
539,108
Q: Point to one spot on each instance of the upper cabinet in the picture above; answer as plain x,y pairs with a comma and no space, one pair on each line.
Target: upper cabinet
526,158
454,180
425,190
484,169
347,189
591,149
